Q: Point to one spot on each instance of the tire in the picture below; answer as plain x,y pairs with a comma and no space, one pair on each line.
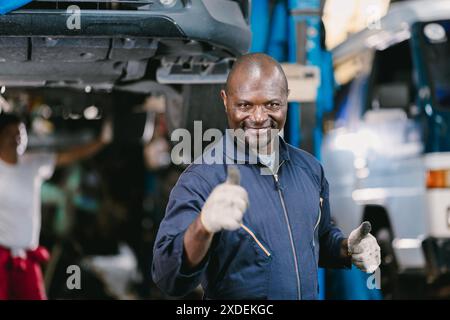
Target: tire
388,267
200,102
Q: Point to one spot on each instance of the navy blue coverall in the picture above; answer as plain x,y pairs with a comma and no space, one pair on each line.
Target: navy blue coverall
286,233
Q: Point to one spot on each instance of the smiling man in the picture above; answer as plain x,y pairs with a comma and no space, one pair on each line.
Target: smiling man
246,235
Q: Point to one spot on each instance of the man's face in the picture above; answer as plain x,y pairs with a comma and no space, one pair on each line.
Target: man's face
11,136
256,104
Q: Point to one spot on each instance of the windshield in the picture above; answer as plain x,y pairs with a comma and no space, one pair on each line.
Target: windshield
436,49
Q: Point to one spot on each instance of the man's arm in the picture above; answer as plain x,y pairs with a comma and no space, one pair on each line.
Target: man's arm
360,248
333,245
186,234
197,241
223,209
78,153
171,271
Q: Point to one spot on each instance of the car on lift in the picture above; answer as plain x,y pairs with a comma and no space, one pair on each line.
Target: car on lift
179,48
387,157
66,64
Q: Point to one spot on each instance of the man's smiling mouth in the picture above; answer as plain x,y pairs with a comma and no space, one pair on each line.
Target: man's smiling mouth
257,128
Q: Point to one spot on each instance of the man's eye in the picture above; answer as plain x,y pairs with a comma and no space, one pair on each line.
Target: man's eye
243,105
274,105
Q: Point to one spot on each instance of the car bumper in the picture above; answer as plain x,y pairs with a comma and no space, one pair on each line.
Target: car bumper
220,23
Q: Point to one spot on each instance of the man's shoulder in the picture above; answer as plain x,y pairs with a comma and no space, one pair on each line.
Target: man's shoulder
304,159
210,174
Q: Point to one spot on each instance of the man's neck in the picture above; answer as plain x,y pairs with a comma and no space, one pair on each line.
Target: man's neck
267,150
10,157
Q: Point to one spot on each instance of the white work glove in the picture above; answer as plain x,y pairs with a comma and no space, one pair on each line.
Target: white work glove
225,206
364,249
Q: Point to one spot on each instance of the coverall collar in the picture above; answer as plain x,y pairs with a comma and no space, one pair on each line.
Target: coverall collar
237,153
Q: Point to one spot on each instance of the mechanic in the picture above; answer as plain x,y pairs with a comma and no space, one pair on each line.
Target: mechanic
21,177
246,235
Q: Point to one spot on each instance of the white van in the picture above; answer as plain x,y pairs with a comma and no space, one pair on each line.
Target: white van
387,156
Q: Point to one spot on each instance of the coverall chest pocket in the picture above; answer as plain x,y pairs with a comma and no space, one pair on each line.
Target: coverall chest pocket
246,272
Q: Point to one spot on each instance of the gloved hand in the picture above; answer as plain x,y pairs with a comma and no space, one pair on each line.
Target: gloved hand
364,249
225,206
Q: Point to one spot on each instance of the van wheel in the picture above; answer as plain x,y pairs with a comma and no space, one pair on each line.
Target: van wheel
388,267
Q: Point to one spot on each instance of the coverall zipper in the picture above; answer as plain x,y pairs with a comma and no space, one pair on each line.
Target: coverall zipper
317,224
289,232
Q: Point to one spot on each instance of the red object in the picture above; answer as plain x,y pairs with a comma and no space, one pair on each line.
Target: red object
21,278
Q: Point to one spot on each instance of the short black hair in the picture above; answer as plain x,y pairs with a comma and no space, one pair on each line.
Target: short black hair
7,119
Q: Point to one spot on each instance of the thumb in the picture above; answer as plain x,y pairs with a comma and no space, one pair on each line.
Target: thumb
360,233
234,177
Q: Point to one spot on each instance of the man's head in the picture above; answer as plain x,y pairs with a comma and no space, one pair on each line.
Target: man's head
255,97
12,133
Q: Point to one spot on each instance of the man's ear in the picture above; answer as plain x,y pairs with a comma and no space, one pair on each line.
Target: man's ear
223,94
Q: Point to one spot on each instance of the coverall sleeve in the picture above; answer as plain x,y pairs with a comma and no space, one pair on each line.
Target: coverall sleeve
185,203
330,236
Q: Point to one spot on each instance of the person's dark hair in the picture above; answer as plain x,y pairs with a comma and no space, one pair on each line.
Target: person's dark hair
7,119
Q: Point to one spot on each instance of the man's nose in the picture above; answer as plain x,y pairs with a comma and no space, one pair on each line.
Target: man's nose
259,115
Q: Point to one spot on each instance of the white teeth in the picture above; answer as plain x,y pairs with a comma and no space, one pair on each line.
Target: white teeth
257,130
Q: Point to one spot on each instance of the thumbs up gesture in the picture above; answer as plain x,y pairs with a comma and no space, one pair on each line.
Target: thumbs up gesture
364,249
226,205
